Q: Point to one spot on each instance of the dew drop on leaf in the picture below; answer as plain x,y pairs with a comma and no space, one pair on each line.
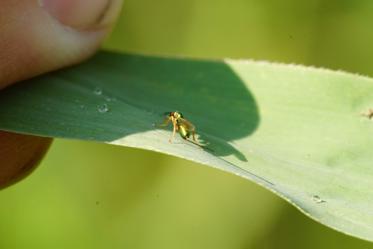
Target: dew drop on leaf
97,91
317,199
103,108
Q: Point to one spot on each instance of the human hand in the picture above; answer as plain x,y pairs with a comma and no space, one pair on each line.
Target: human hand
38,36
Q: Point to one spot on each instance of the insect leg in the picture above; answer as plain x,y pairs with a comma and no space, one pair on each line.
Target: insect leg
174,130
194,136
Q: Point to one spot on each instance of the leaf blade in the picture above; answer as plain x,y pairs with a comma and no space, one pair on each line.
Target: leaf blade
295,130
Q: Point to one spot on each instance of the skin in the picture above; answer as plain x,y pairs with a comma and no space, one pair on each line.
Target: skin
45,36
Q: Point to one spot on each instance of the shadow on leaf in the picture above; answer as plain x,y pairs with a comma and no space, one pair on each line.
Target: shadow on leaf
114,95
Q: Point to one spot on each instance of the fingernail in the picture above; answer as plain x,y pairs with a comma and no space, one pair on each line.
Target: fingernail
83,14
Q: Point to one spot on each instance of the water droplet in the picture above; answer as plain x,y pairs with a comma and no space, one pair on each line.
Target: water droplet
103,108
108,99
98,91
317,199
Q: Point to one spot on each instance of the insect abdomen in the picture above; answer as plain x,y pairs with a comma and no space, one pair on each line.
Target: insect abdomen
183,132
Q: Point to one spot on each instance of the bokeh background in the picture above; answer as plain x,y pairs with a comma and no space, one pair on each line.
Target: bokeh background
89,195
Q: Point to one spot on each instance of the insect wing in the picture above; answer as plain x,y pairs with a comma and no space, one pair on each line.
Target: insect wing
188,125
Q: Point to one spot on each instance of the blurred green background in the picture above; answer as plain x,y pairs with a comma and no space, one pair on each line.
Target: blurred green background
88,195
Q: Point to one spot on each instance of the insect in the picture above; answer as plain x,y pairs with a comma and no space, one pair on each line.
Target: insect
181,125
368,114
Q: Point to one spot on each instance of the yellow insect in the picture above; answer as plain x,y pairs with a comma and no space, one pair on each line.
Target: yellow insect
181,125
368,114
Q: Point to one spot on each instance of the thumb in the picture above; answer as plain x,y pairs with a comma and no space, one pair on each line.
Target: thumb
37,37
42,35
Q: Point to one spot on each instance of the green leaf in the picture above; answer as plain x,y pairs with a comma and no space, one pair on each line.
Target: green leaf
297,131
